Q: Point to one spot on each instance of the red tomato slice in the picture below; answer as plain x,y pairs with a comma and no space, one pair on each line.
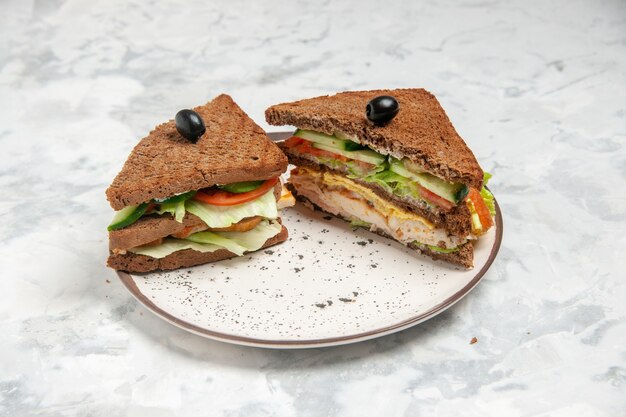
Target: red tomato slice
305,147
292,142
481,208
218,197
435,199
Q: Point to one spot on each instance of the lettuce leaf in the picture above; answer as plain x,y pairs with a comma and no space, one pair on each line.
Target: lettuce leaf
394,183
224,216
255,238
329,162
236,242
487,196
171,245
355,170
176,209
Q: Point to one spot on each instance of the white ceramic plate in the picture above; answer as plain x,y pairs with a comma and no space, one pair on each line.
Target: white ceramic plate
327,285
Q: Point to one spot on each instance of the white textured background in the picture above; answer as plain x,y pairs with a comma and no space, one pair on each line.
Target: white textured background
537,89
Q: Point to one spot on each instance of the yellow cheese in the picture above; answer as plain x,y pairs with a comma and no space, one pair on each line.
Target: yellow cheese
286,199
383,206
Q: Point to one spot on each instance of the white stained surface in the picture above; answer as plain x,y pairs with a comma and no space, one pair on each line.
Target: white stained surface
537,90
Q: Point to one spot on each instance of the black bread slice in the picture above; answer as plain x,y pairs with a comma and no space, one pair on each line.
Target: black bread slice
420,132
131,262
163,164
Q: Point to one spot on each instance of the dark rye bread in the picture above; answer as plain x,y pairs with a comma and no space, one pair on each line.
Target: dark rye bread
420,132
153,227
457,222
131,262
163,164
463,257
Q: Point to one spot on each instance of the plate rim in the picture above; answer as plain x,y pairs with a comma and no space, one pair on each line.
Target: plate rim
131,286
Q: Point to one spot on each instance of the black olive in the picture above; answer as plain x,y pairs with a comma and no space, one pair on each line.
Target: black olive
382,109
190,125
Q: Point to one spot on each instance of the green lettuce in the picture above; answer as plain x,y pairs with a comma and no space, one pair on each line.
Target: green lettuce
239,242
330,162
176,209
394,183
487,196
355,170
236,242
224,216
171,245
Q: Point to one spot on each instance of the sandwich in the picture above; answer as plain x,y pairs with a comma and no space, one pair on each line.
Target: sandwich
389,161
200,188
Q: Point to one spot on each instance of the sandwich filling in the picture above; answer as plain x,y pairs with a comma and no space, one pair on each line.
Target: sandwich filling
346,198
396,175
239,217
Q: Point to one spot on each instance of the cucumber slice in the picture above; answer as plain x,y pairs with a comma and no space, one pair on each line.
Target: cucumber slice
442,250
327,140
241,187
365,155
126,216
177,198
443,189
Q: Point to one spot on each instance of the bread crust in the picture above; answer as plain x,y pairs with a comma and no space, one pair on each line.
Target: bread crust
421,132
132,262
464,257
234,148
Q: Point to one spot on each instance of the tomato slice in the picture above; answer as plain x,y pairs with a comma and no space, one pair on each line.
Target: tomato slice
306,147
219,197
293,142
300,145
481,208
435,199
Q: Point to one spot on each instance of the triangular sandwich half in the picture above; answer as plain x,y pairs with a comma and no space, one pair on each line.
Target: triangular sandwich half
181,203
411,178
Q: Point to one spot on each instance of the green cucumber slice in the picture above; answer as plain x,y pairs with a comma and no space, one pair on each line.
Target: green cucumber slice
126,216
241,187
365,155
442,250
327,140
443,189
177,198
